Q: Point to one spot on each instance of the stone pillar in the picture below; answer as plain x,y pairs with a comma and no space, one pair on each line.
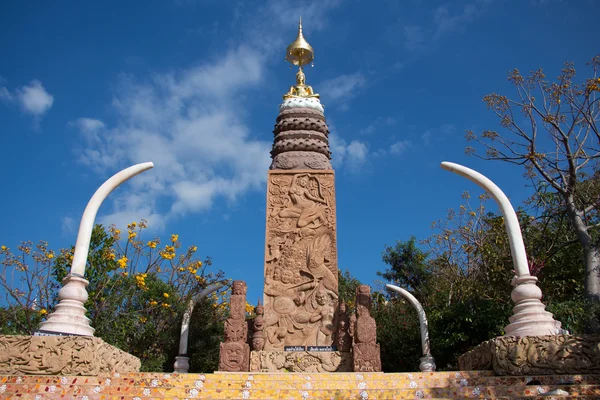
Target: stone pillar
235,352
301,272
365,351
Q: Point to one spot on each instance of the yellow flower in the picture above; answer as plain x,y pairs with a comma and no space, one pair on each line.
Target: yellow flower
153,302
169,248
125,273
165,305
198,264
131,234
181,269
50,256
122,262
143,320
249,308
43,311
193,249
166,295
4,248
152,244
174,238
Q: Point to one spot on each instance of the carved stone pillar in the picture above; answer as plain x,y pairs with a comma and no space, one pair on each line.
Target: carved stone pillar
301,273
365,351
235,352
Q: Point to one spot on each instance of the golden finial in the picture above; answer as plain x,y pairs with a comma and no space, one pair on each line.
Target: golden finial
299,53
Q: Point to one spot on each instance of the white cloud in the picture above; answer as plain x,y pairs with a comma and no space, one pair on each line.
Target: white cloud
190,125
34,99
68,225
400,147
377,123
351,155
343,87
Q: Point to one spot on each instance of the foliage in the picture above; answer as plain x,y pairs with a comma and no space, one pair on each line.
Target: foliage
347,285
138,292
551,128
29,291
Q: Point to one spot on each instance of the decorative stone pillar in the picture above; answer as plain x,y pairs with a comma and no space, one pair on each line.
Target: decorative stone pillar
235,352
365,351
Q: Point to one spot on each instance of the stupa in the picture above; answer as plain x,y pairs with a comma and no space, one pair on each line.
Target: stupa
302,325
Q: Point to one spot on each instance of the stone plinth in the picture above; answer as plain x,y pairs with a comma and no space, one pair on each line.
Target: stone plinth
535,355
300,361
301,272
62,355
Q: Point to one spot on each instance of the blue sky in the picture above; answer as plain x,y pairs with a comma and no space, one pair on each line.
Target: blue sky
89,88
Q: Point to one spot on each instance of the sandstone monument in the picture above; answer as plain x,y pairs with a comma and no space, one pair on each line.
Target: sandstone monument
300,326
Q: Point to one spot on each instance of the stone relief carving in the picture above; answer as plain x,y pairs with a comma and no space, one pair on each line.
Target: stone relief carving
300,260
536,355
343,340
365,351
258,336
235,352
300,361
62,355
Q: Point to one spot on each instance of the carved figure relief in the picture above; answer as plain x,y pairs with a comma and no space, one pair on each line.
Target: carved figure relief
365,351
343,340
536,355
300,260
300,361
258,336
235,352
62,355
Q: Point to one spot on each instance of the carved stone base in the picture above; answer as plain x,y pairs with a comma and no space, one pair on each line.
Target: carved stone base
62,355
535,355
366,357
300,361
234,357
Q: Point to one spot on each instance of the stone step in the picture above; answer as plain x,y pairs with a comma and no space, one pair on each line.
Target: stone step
77,392
296,381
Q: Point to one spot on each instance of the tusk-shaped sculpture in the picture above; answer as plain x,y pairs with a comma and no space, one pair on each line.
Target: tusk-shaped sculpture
69,314
427,363
182,364
529,315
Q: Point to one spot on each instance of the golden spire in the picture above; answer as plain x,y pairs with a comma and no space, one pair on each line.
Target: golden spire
299,53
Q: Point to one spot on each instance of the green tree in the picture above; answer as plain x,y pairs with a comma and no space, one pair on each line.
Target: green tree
138,293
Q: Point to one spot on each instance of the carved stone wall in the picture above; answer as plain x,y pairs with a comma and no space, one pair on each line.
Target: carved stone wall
300,361
234,353
301,272
62,355
535,355
365,350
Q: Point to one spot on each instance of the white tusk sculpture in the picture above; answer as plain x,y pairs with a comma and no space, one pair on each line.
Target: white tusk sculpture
427,362
529,315
182,361
69,315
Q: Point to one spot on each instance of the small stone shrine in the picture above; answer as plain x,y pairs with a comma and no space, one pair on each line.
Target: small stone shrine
302,326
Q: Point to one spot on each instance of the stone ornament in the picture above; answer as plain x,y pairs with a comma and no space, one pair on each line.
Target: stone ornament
301,287
300,361
529,315
535,355
258,325
302,102
343,340
235,352
365,351
301,138
62,355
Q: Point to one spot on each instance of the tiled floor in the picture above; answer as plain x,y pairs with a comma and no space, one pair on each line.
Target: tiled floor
439,385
